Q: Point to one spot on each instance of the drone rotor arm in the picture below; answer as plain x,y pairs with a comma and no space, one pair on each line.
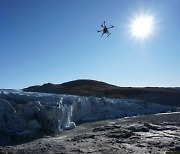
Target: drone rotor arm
110,27
102,34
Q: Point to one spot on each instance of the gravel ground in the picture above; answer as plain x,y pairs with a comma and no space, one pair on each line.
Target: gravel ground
153,134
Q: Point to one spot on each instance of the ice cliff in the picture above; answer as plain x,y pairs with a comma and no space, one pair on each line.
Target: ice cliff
24,112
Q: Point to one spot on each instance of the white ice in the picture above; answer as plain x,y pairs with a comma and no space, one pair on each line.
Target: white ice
32,112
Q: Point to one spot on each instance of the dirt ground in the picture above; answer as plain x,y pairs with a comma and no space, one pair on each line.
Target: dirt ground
150,134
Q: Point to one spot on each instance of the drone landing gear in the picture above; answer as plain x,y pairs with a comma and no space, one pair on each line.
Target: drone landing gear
108,34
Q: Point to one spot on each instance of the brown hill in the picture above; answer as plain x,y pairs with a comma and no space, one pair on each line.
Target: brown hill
167,96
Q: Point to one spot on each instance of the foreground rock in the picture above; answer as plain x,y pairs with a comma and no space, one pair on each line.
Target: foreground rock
155,134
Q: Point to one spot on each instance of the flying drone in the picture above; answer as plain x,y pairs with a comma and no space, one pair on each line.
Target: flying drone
105,29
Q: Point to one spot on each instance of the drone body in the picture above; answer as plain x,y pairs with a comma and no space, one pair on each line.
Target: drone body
105,29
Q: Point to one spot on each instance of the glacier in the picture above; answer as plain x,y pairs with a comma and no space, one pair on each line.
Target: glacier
30,112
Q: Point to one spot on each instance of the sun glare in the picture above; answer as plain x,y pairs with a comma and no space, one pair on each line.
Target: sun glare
142,26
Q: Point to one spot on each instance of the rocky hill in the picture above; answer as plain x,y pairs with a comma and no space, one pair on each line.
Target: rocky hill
166,96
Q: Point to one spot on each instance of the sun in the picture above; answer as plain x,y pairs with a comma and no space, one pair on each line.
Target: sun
142,26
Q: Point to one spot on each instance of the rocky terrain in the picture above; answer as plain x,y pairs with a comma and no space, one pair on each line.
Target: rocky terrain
151,134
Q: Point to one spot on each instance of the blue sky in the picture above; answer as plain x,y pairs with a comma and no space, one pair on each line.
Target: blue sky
56,41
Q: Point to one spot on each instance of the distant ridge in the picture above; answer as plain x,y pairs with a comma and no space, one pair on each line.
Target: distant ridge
76,87
167,96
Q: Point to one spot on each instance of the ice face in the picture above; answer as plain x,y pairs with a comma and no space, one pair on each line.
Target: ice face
29,111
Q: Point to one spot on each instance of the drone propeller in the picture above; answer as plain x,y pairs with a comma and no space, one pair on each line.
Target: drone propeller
111,27
99,31
104,23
